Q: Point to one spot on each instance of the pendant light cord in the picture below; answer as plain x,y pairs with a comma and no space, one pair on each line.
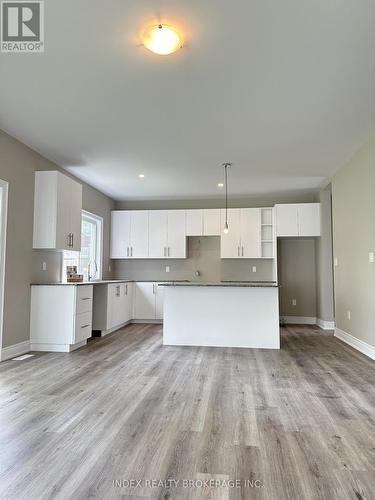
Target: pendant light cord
226,194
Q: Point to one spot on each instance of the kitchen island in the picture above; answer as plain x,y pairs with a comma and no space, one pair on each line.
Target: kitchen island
225,314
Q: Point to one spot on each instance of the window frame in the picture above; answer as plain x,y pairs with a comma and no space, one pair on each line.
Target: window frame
98,220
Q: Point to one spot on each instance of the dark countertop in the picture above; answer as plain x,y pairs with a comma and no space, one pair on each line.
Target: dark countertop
104,282
227,284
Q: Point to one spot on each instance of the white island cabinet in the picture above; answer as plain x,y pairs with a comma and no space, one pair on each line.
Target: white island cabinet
61,317
221,315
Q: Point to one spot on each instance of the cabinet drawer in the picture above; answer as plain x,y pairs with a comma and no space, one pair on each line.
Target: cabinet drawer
83,327
84,299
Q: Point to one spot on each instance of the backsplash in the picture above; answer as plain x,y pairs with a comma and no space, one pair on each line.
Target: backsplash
203,256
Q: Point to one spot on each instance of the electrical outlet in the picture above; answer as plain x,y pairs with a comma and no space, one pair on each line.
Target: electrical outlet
167,269
371,257
336,262
254,269
294,302
44,266
349,315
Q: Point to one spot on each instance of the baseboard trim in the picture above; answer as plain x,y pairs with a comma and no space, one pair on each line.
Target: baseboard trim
147,321
357,344
41,347
299,320
325,325
14,350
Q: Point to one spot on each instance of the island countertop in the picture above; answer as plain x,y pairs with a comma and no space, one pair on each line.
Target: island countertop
244,284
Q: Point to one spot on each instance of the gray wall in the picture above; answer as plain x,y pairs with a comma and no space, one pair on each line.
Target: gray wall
23,265
324,264
297,276
353,201
203,256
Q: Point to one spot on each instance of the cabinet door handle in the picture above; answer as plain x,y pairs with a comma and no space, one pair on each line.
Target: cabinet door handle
169,251
68,240
131,251
126,289
242,251
165,251
86,298
85,326
72,240
153,288
127,251
238,251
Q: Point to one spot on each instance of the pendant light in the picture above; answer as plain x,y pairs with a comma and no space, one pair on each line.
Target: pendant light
226,225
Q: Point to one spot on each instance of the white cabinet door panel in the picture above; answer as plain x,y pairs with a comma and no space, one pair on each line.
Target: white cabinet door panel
144,307
230,243
139,234
176,234
159,290
158,233
194,222
250,229
211,222
120,234
75,214
287,220
309,219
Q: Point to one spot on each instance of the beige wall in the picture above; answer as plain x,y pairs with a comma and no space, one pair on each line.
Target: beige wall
297,276
324,264
353,199
23,265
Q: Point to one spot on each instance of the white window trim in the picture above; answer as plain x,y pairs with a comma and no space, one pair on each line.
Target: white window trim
99,243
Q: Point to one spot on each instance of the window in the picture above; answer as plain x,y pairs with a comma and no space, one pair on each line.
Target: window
89,259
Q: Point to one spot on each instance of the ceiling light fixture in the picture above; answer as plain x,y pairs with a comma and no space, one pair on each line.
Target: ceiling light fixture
141,176
226,225
162,39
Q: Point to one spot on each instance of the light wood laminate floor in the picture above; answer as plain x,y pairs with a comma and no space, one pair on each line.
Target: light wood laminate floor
296,424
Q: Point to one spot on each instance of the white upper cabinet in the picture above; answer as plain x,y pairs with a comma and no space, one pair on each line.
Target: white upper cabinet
129,234
194,222
244,237
176,248
250,229
309,219
211,222
158,234
298,220
57,211
231,242
120,234
167,230
204,222
139,234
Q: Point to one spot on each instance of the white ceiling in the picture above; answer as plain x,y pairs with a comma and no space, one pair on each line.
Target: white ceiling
283,89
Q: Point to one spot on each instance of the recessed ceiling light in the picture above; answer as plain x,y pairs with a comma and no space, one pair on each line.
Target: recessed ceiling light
220,185
162,39
141,176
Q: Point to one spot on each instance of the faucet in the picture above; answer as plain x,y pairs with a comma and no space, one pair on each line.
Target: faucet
94,265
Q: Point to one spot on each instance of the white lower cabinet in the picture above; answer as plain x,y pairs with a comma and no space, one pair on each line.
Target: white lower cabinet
61,317
113,304
148,301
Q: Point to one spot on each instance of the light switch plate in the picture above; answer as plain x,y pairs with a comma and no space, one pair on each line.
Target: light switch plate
371,257
294,302
336,262
167,269
254,269
44,266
